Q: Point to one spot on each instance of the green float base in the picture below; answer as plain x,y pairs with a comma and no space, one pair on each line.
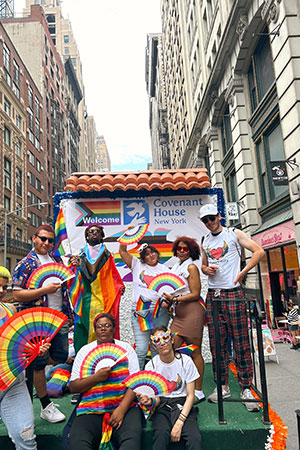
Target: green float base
243,431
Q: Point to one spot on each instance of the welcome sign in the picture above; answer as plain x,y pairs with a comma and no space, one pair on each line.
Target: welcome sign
168,217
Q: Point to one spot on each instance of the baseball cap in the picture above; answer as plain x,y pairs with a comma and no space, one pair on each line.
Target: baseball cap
208,210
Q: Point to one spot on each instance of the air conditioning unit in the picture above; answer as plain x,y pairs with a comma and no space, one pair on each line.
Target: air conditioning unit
42,187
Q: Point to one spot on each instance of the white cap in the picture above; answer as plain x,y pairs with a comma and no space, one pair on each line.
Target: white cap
208,210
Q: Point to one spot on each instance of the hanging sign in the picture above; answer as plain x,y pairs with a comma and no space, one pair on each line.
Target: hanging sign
279,173
232,211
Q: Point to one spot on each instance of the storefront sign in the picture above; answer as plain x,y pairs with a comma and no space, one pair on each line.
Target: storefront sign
279,173
280,234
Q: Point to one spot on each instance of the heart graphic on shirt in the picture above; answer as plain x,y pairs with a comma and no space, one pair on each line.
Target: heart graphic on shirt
216,253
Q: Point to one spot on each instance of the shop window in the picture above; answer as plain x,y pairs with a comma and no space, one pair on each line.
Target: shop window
269,147
261,73
226,131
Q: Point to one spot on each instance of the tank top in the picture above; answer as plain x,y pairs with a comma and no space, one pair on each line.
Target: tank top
223,251
8,311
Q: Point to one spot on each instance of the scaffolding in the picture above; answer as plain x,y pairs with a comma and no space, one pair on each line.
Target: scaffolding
6,9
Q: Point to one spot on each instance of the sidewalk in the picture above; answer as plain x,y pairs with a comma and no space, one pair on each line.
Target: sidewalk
284,389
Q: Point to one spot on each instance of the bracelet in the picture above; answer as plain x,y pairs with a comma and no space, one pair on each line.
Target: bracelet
181,418
181,414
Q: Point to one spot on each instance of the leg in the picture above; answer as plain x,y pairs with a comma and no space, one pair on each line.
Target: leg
190,432
197,355
239,329
142,339
161,425
85,432
17,414
129,435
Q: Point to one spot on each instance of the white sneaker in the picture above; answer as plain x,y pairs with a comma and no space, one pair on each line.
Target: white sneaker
199,396
213,398
246,394
52,414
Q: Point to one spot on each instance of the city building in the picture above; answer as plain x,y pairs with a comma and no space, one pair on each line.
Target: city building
232,101
47,70
102,156
22,156
91,141
155,85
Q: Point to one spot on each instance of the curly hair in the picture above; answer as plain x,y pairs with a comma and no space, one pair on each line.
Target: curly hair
192,245
143,253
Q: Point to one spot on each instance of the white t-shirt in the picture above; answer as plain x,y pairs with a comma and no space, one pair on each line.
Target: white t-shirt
55,299
133,363
181,370
140,270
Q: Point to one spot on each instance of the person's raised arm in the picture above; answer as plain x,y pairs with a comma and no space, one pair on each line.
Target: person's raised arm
125,255
257,253
27,295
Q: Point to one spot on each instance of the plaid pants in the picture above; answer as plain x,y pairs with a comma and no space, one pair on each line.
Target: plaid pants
232,321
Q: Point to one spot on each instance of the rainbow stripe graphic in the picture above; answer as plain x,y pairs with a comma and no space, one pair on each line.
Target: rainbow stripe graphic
144,319
104,355
58,382
76,290
21,338
157,308
98,212
60,233
134,235
166,279
149,383
105,443
187,350
142,304
42,273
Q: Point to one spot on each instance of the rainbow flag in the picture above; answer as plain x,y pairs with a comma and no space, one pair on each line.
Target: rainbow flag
76,289
144,319
60,233
58,382
105,443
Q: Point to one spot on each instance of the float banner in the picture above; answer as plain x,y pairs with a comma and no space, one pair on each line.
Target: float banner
168,217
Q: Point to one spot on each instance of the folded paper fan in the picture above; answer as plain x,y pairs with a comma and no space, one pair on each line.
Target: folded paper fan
134,235
149,383
104,355
21,337
46,271
166,280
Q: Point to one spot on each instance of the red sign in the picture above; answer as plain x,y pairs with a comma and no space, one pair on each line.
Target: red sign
280,234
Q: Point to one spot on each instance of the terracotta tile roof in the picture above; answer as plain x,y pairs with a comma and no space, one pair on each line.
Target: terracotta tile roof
148,180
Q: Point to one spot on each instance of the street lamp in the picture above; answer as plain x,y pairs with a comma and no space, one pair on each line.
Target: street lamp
5,225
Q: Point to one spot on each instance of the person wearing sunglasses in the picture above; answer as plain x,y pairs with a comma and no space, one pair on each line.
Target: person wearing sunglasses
174,417
102,392
147,265
190,308
53,295
221,252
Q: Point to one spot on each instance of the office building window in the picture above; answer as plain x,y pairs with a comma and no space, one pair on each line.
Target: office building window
66,39
226,131
7,202
6,57
18,121
18,148
18,234
19,183
67,50
7,173
30,96
7,106
7,136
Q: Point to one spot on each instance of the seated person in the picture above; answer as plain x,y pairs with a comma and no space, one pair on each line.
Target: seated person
96,401
170,422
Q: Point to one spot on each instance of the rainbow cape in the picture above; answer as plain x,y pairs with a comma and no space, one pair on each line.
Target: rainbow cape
100,288
60,234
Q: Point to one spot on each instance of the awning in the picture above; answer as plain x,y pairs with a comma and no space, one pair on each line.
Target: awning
276,231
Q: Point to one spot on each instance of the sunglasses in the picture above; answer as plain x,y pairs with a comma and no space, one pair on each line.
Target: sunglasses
103,326
182,249
44,239
93,231
162,338
209,218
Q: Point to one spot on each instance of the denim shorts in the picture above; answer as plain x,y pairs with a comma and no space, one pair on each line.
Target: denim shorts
58,351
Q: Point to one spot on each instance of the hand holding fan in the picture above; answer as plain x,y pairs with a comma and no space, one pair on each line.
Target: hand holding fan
21,338
104,355
133,235
51,270
147,382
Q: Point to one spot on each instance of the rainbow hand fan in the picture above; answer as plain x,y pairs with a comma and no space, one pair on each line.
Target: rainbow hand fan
165,282
46,271
134,235
187,350
104,355
149,383
21,337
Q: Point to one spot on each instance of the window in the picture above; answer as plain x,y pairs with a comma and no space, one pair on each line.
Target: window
19,183
7,203
67,50
32,179
38,184
30,97
38,165
30,120
6,57
18,121
7,106
261,74
7,136
226,131
269,147
18,148
66,39
37,107
7,173
16,73
18,234
19,209
74,62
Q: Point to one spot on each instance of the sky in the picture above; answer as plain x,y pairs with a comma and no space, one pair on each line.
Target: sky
111,36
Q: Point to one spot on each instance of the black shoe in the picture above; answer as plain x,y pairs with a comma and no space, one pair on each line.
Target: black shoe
293,347
75,398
